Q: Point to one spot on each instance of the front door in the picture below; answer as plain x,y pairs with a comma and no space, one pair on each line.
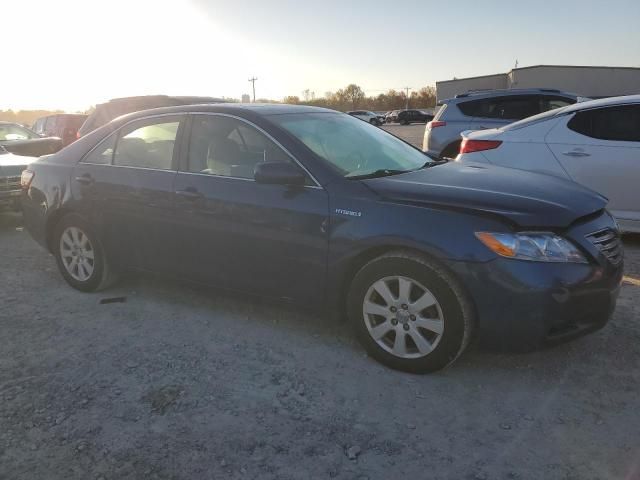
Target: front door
125,186
264,239
600,149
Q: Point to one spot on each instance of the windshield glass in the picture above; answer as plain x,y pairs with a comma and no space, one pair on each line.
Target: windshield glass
11,131
535,118
351,146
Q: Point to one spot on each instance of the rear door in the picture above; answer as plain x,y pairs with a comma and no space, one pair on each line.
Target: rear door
126,188
600,148
265,239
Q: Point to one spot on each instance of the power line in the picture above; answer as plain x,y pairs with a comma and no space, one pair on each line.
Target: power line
253,85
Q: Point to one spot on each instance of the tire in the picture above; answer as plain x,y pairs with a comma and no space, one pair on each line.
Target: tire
75,238
451,150
450,320
404,122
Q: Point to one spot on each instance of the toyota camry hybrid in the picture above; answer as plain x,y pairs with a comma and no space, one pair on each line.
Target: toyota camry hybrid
324,210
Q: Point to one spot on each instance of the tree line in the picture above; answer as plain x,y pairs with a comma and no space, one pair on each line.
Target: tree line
352,97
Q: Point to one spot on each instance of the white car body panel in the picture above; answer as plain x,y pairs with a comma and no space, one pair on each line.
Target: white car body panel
611,168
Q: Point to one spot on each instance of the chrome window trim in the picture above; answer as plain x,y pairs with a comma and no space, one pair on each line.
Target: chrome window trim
266,134
117,132
160,115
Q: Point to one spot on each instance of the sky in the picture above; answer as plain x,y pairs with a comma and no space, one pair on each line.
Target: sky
71,54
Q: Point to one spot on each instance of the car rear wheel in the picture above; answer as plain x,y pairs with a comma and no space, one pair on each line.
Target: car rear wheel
409,313
80,256
451,150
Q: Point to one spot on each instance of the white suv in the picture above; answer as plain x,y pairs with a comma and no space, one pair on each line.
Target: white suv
486,109
594,143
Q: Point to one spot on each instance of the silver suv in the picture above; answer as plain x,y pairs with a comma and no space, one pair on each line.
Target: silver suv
478,110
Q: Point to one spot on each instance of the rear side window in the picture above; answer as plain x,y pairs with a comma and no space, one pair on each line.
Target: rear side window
147,146
621,123
512,107
103,153
551,103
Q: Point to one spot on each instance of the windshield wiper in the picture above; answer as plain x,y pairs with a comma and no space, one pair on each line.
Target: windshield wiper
383,172
433,163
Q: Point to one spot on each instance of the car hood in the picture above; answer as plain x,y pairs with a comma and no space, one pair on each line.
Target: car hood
525,198
12,165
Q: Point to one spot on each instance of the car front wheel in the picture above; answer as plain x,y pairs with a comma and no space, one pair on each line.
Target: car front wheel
409,313
80,256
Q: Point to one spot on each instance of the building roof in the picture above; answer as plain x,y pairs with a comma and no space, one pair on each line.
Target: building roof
540,66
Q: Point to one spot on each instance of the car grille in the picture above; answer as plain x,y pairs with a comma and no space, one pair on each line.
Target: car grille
9,184
609,243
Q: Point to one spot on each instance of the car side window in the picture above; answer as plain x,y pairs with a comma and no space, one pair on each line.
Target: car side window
511,107
103,153
147,146
551,103
229,147
621,123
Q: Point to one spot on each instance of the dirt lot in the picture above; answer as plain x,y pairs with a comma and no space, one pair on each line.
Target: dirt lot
182,382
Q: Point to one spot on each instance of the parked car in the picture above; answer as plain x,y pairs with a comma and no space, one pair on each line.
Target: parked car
325,210
21,141
62,125
11,167
392,116
595,143
369,117
105,112
486,109
405,117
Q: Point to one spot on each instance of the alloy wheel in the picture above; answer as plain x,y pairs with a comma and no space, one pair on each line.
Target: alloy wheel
403,317
77,254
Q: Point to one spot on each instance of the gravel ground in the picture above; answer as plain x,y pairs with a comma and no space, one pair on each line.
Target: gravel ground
182,382
413,133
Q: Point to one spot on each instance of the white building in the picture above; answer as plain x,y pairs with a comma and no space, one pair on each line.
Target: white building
586,81
246,98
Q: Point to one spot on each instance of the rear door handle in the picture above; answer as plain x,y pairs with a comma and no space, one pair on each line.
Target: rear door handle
85,179
189,193
576,153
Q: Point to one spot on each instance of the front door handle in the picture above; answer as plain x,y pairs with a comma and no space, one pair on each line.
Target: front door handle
576,153
189,193
85,179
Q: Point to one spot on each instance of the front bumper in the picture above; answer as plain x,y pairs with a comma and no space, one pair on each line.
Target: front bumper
524,305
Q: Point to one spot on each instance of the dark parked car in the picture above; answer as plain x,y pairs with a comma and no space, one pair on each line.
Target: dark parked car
405,117
320,208
62,125
22,141
105,112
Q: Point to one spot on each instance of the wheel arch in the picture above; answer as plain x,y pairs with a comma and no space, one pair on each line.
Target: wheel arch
52,220
351,265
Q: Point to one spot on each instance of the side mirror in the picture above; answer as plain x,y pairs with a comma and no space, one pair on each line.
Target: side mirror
279,173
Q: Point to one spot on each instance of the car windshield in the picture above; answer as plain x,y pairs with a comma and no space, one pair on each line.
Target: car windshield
9,132
354,148
535,118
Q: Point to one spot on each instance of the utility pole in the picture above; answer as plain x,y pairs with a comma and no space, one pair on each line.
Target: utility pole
253,85
406,107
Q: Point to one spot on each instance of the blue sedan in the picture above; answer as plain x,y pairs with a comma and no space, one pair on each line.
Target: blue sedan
319,208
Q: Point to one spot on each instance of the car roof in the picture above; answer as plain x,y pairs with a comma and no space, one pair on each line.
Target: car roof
602,102
261,109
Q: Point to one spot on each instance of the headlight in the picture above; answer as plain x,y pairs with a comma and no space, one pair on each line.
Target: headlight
534,246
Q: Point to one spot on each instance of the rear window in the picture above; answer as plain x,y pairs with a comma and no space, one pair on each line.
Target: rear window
536,118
